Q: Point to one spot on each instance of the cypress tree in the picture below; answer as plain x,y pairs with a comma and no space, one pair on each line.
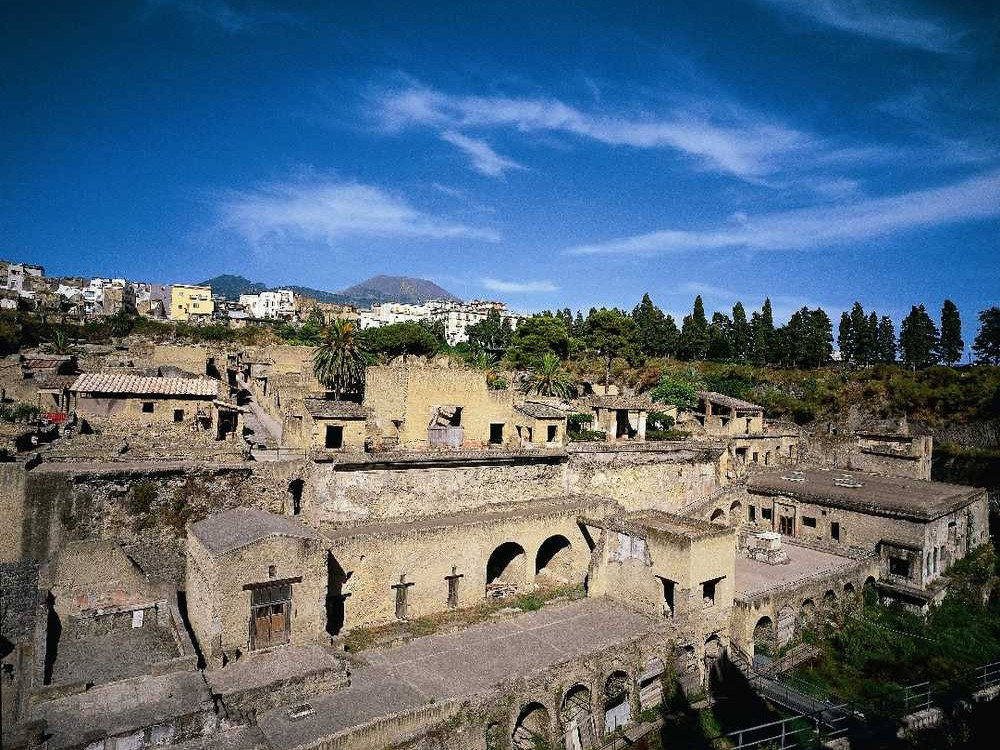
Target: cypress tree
694,332
885,346
741,333
951,345
918,339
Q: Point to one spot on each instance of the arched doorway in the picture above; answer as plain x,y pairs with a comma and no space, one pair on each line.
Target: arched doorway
830,597
736,511
849,589
554,561
532,729
617,709
764,636
577,721
808,610
506,570
718,517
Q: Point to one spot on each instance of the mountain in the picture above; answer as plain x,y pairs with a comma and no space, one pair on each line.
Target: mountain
395,289
231,286
372,291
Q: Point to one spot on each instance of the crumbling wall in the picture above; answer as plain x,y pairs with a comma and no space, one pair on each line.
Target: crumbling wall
144,507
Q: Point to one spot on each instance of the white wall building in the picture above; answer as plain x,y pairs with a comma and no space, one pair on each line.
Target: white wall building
457,316
270,305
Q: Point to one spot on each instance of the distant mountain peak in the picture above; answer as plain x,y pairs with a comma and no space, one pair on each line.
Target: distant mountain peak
373,291
384,288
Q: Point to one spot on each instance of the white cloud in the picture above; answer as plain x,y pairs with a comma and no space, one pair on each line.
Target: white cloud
746,145
974,198
484,159
329,211
874,20
518,287
222,14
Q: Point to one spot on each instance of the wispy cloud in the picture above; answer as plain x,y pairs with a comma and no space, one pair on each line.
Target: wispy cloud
222,14
875,20
844,223
482,156
328,211
735,142
518,287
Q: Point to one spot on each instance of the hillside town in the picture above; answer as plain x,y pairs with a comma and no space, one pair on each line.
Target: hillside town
25,286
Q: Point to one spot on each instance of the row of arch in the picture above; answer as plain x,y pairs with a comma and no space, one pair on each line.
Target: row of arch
507,571
508,563
767,633
721,518
619,695
534,726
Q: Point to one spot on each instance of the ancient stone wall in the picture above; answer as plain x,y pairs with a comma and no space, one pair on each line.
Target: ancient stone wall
519,550
661,477
142,506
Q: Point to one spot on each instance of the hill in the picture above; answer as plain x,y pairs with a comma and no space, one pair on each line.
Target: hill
231,286
395,289
369,292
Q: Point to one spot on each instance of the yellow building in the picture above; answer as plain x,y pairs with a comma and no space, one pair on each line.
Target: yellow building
187,302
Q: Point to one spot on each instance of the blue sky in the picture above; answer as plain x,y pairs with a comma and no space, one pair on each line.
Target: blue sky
548,154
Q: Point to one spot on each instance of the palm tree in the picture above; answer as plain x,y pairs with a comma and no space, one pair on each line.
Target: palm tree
549,378
339,359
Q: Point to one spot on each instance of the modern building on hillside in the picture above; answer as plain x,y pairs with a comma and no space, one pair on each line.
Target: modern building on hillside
189,303
271,305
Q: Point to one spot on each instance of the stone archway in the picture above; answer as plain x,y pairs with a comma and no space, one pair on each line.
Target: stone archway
506,570
830,597
617,705
718,517
764,636
554,561
808,610
577,720
849,590
736,512
532,729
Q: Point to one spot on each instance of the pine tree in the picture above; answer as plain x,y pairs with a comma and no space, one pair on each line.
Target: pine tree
987,343
741,333
720,343
694,332
653,334
951,346
885,341
763,349
918,339
871,339
845,338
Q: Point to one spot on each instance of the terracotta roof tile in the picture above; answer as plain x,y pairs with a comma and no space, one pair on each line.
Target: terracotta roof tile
137,385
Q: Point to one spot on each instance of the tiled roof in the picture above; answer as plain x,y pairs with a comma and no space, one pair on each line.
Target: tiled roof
733,403
137,385
536,410
238,527
321,407
56,381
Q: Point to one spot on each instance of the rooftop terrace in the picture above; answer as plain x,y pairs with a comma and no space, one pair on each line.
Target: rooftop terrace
869,493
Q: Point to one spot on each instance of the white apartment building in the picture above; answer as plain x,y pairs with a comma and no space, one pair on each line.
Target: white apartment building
270,305
457,316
